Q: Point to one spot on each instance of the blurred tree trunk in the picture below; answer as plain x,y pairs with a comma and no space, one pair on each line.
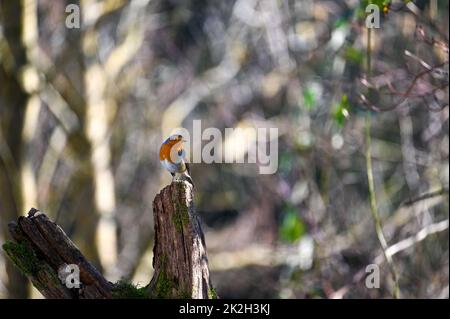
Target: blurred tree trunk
13,100
100,111
79,213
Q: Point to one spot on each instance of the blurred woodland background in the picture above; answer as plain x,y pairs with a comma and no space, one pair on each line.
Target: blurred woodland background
83,112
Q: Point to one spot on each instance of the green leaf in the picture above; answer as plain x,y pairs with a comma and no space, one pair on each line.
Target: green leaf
309,98
292,228
341,112
361,11
341,22
354,55
286,162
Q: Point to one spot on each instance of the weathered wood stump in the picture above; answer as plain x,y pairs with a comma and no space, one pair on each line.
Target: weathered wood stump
40,249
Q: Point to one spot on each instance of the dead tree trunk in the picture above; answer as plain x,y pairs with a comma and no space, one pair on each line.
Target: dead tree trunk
43,252
180,262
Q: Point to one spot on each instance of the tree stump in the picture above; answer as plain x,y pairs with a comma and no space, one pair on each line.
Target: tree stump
43,252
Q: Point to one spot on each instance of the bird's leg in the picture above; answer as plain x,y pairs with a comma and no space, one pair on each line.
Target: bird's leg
183,177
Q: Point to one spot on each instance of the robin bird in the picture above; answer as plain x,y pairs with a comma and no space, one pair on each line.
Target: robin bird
172,157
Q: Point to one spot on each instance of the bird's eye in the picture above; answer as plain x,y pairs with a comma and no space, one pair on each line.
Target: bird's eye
180,152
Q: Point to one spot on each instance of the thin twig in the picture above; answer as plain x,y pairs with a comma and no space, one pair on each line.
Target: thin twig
420,35
421,235
372,195
439,192
392,250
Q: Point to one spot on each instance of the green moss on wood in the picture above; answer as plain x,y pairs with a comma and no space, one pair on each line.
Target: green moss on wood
180,217
22,256
184,293
126,290
45,274
39,272
212,294
164,285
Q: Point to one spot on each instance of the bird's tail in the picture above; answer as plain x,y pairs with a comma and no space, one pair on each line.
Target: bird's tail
187,174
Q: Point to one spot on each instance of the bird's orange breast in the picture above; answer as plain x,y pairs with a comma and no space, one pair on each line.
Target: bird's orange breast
164,152
166,148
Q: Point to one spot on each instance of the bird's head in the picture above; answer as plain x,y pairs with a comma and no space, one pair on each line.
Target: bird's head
175,138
